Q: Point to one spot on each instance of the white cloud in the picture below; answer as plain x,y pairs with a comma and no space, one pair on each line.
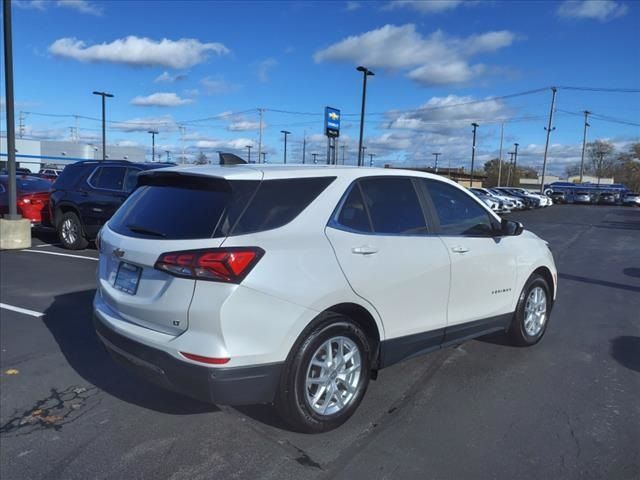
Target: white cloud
601,10
160,99
164,123
127,143
166,77
264,67
351,6
30,4
217,85
138,51
435,59
425,6
82,6
243,126
233,144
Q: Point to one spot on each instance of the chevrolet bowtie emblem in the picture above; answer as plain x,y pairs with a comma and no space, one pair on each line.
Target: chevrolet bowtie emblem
333,116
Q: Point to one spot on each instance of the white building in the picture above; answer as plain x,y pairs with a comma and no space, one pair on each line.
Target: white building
34,154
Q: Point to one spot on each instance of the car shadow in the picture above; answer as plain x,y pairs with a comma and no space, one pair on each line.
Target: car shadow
626,351
496,338
604,283
632,272
69,319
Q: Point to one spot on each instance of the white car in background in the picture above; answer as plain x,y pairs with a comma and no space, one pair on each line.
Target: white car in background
294,285
508,203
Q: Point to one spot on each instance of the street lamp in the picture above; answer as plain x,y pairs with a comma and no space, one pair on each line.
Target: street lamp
436,164
285,143
365,73
264,157
515,160
315,159
371,155
167,152
362,152
153,144
104,140
473,151
249,153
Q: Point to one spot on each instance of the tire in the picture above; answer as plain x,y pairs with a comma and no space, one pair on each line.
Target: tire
71,233
528,325
296,398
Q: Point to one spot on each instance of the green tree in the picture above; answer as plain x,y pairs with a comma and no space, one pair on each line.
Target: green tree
602,160
627,168
507,175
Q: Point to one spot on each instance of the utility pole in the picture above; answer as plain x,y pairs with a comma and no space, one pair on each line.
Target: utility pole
260,110
249,153
11,126
515,160
104,136
153,144
601,154
549,129
371,155
500,154
343,147
21,118
473,151
510,168
436,163
304,147
315,159
365,73
182,130
584,142
285,133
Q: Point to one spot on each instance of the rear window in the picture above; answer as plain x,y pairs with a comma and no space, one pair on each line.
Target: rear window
190,207
32,184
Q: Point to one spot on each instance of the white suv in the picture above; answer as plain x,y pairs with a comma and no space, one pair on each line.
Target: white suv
295,285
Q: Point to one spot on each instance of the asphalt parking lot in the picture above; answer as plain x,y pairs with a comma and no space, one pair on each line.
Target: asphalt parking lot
566,408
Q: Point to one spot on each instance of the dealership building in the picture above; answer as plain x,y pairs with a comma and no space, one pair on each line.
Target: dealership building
35,154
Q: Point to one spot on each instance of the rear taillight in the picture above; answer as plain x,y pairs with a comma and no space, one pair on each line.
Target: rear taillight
229,265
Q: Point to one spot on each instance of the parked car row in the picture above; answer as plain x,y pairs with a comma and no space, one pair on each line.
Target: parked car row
507,199
586,197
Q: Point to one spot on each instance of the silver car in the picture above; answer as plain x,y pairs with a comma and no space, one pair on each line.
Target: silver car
581,197
631,199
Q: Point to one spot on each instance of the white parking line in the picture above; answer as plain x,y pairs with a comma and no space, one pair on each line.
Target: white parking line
61,254
26,311
48,245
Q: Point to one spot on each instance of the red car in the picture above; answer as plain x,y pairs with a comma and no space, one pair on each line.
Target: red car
33,198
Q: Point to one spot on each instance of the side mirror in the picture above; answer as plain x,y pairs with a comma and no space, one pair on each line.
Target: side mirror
509,228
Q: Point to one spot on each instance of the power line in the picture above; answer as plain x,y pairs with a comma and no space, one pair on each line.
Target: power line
602,89
605,118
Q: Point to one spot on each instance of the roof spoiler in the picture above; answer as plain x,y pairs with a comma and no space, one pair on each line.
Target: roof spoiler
231,159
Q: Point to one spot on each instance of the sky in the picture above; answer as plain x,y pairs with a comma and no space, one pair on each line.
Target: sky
200,73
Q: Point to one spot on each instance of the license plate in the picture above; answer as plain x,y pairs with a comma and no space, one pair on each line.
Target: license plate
127,278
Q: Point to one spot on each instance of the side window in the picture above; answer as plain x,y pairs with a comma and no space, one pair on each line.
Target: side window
393,205
353,213
277,202
108,178
131,179
458,213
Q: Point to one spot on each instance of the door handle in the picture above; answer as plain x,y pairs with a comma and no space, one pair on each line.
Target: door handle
364,250
459,249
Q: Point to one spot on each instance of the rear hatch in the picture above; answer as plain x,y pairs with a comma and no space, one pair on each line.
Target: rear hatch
169,212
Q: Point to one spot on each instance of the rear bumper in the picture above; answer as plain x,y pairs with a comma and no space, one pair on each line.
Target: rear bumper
223,386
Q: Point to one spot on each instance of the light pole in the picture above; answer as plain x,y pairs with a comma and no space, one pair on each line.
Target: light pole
11,134
473,151
153,144
436,164
510,169
315,159
167,152
515,160
249,153
285,133
371,155
104,139
362,152
365,73
264,157
601,155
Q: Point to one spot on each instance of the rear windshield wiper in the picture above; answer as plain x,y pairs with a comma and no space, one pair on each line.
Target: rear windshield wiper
145,231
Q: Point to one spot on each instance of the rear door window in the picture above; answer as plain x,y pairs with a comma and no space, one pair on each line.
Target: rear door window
393,205
353,214
457,212
278,202
108,178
